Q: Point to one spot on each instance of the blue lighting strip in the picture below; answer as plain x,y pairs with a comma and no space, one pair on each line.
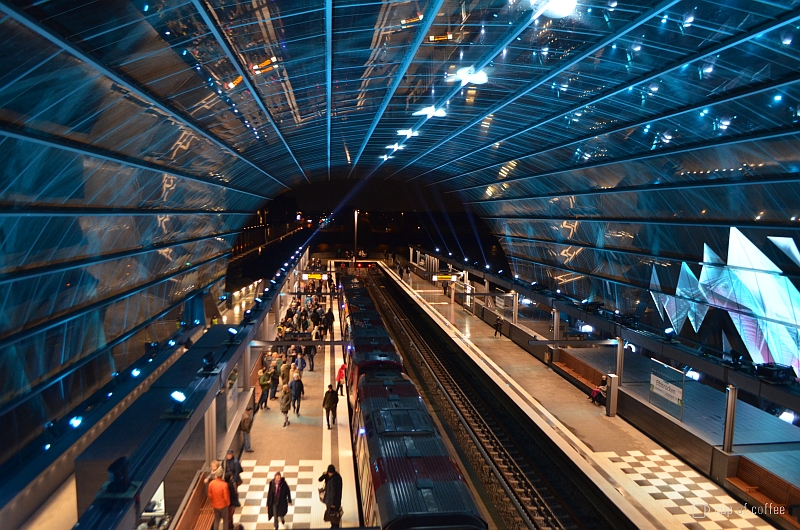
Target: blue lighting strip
419,36
201,9
329,73
635,23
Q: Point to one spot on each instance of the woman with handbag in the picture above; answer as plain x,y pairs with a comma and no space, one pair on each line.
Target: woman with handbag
333,497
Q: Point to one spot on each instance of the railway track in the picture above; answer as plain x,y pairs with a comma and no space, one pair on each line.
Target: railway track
522,493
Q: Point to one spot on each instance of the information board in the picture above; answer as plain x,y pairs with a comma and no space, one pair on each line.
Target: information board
666,388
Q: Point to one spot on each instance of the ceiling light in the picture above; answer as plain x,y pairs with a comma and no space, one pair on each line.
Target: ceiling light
408,133
431,112
75,422
555,8
396,147
468,75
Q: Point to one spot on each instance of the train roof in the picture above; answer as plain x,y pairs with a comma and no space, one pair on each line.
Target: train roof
371,334
386,391
389,420
417,484
362,357
365,318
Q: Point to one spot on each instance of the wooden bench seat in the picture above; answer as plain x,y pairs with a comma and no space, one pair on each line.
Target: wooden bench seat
767,490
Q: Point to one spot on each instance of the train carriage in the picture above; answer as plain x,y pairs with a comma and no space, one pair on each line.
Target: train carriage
406,475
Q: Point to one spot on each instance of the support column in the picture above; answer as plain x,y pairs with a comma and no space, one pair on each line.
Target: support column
210,424
514,307
556,325
612,394
244,369
453,303
620,358
730,418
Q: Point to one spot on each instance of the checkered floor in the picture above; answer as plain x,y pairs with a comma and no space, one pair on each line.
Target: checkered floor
693,499
302,481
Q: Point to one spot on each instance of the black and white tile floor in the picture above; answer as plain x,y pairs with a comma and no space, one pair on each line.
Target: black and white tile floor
693,499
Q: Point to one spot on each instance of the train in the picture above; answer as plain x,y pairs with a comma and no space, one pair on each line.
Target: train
407,477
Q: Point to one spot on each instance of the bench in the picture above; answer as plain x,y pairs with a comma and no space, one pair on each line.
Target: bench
579,370
767,490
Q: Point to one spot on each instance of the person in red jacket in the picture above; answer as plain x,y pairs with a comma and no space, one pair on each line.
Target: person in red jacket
220,500
340,379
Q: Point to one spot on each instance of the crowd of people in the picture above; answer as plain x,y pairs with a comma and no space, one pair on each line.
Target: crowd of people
280,378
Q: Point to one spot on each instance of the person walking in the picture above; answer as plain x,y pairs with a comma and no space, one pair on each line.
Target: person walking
299,364
245,425
498,326
263,382
286,404
329,403
310,353
329,321
340,379
233,492
274,380
285,372
297,390
333,496
220,496
278,499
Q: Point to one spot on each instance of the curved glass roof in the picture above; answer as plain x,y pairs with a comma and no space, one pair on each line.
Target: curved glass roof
615,148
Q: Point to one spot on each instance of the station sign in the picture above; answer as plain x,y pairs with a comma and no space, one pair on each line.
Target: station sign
315,276
444,278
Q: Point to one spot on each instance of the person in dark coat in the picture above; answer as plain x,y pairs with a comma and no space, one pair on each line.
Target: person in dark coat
329,403
333,495
498,326
297,390
329,321
278,499
231,465
233,490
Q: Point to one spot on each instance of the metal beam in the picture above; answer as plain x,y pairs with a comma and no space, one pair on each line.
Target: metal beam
329,73
263,343
784,20
673,221
558,70
764,135
419,36
688,184
33,211
13,338
22,18
724,98
65,144
610,342
508,38
202,9
33,272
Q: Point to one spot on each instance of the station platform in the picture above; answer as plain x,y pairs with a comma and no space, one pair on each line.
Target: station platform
651,485
301,452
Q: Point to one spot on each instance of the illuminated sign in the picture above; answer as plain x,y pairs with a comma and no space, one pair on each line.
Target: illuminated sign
315,276
265,66
439,38
405,23
444,278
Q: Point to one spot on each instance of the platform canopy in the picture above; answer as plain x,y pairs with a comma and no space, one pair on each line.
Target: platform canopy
623,151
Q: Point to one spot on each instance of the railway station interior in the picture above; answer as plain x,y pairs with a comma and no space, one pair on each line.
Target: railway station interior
549,250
